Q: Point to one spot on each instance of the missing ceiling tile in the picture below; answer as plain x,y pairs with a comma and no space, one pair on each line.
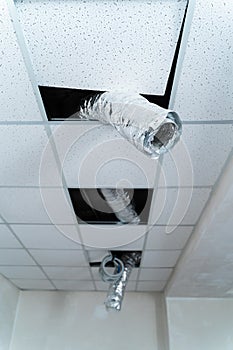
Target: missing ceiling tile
91,208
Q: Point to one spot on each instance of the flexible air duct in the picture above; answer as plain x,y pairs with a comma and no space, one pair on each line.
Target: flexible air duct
119,201
117,288
151,129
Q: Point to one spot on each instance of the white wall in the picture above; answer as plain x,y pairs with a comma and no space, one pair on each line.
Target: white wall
8,303
200,324
74,320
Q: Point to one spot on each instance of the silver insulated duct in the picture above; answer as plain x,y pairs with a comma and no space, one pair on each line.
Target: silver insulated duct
151,129
119,201
117,287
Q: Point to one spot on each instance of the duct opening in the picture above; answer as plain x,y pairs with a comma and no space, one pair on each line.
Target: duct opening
91,206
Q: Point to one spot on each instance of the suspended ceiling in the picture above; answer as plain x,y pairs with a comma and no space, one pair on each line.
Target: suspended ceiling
106,45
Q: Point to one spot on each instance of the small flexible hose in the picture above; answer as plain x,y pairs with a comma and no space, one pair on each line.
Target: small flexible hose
118,271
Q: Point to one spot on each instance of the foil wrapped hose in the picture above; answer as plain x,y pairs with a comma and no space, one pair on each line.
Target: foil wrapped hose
117,288
153,130
119,201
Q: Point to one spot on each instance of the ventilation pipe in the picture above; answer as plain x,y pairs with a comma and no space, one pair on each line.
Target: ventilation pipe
119,280
119,201
151,129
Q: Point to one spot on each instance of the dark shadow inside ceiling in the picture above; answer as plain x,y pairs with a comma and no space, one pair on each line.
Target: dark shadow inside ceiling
86,201
64,103
117,254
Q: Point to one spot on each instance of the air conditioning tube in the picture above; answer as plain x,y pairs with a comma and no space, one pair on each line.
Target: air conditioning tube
118,271
151,129
117,289
120,203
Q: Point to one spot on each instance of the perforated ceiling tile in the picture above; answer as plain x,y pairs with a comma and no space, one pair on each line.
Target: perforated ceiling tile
96,156
7,239
157,274
18,101
15,257
158,238
47,236
50,257
208,147
157,258
104,44
172,206
26,272
111,236
68,273
25,205
205,89
21,152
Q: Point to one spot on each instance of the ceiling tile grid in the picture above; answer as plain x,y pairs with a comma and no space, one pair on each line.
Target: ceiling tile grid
42,246
18,102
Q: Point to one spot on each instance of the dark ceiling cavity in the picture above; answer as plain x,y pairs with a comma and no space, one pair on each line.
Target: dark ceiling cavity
91,208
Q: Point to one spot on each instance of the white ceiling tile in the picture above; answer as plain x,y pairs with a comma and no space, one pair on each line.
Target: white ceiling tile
158,238
136,245
23,148
25,205
74,285
18,101
22,205
157,274
59,207
25,272
96,255
97,156
102,286
7,239
33,284
67,273
173,206
111,236
208,147
15,257
205,89
147,286
97,277
47,236
158,258
119,35
49,257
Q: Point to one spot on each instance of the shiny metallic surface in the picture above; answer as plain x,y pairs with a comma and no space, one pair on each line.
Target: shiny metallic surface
118,269
151,129
119,201
117,289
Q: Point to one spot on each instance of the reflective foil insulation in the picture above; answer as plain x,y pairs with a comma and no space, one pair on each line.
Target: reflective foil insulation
120,203
153,130
117,289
